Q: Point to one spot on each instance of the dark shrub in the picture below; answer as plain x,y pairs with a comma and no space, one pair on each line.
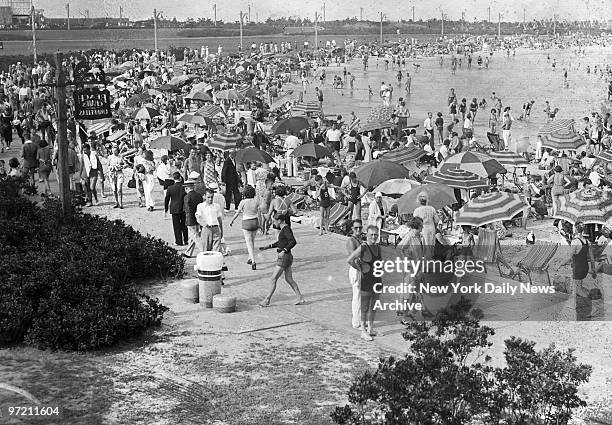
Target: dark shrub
70,285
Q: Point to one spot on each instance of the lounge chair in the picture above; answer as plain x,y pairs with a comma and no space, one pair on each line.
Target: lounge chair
488,249
537,259
296,199
337,213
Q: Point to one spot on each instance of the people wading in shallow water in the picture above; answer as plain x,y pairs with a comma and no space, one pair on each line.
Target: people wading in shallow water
286,242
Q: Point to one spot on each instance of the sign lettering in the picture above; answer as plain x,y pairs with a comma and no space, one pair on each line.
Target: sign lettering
92,104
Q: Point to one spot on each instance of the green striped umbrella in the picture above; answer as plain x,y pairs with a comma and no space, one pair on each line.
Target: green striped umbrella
565,139
457,178
474,162
557,125
509,159
306,107
224,141
400,156
489,208
588,205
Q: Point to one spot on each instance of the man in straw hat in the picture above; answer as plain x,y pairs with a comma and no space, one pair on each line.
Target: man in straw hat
191,202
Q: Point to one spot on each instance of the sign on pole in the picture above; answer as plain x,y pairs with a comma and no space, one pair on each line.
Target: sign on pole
92,104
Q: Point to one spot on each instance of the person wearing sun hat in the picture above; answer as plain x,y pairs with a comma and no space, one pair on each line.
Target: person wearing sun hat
377,211
191,201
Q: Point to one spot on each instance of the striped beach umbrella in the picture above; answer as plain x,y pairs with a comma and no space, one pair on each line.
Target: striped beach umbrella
210,111
439,196
400,156
199,95
457,178
565,139
313,150
375,125
306,107
478,163
489,208
605,156
509,159
294,124
588,205
557,125
146,113
138,99
230,94
194,119
224,141
251,154
375,172
281,101
396,186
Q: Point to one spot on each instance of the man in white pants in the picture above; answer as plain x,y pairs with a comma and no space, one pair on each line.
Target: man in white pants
354,242
291,142
506,125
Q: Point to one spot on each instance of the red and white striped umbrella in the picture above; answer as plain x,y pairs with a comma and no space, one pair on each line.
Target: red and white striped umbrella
306,107
489,208
557,125
457,178
224,141
210,111
146,113
475,162
400,156
375,125
563,140
509,159
588,205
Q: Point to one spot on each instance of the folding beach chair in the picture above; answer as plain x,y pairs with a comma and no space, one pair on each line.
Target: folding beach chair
296,199
337,214
494,140
488,249
537,259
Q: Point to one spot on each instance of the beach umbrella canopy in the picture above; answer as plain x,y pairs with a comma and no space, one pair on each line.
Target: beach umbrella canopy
203,86
557,125
375,125
170,143
476,162
138,99
146,113
378,171
400,156
605,156
193,119
153,92
169,87
306,107
199,95
210,111
295,124
396,186
509,159
588,205
489,208
181,80
565,139
457,178
253,154
224,141
313,150
230,94
289,97
439,196
248,92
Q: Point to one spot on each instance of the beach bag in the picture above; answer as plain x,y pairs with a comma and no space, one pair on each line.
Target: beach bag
132,183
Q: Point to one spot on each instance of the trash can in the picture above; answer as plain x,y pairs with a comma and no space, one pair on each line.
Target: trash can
224,304
209,267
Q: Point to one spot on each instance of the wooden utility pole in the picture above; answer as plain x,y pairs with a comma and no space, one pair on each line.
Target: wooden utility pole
324,12
68,15
33,17
442,30
361,14
155,27
413,14
381,29
241,30
489,13
316,31
215,12
62,137
499,25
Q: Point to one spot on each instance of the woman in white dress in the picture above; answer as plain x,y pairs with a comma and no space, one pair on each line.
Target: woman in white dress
430,221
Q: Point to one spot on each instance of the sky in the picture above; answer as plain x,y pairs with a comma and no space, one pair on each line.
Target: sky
229,10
